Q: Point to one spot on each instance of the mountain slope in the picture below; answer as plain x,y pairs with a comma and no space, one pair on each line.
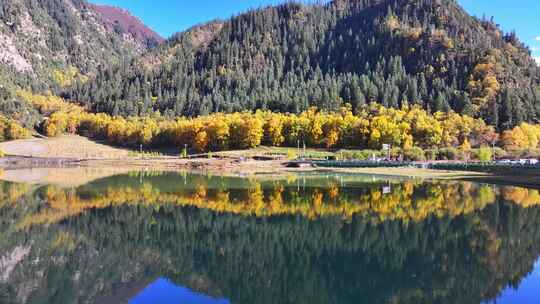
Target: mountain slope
46,45
290,57
52,42
123,22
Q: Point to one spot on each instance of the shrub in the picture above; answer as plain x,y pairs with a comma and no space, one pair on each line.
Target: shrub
500,152
184,153
449,153
484,154
368,154
394,152
432,154
530,153
414,154
291,154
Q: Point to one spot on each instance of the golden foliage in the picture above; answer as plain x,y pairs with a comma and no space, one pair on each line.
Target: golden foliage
48,104
65,78
392,23
11,130
371,128
403,203
522,196
483,84
406,201
440,37
524,136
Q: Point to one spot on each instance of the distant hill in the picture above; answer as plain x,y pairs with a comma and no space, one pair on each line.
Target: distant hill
122,21
293,56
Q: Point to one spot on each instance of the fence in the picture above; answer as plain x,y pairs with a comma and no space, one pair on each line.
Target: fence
360,164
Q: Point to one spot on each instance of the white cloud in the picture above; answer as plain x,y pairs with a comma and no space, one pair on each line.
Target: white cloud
537,59
537,38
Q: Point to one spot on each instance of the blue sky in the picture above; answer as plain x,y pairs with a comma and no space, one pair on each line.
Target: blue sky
170,16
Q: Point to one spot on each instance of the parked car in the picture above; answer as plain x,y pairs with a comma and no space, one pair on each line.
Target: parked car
523,161
531,161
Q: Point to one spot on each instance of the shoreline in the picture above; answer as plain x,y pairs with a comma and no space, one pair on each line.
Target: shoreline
37,170
71,151
220,165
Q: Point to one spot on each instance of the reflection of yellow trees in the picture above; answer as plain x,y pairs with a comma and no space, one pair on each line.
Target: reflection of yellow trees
64,241
408,201
522,196
439,200
10,193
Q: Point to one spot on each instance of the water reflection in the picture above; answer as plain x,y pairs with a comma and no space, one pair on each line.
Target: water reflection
164,291
528,291
305,239
308,196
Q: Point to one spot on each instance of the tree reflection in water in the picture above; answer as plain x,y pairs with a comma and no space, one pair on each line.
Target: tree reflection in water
305,239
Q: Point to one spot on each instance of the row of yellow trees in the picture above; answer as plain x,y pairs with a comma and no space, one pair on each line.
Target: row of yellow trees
373,127
48,104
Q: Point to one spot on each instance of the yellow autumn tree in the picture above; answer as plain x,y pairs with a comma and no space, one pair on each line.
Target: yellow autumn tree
218,132
332,130
273,130
515,139
465,149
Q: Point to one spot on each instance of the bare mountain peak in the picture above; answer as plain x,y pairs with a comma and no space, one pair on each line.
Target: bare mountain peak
122,21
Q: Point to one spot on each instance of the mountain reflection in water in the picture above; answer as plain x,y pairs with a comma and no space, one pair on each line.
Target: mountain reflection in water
163,291
301,239
528,291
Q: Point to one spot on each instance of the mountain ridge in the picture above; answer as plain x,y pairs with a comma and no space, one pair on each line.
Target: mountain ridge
292,56
284,58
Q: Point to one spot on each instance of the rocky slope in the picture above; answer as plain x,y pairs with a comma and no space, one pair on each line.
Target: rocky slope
56,41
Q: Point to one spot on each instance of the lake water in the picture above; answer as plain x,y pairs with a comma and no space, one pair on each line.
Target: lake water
160,238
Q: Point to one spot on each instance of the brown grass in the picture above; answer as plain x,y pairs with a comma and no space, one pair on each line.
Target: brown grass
69,146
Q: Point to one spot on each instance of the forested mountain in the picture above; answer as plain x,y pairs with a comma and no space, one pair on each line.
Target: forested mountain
292,56
50,43
45,45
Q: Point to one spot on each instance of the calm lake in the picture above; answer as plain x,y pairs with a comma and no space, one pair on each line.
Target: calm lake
160,238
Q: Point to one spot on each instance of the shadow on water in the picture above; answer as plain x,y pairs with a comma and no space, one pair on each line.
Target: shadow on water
167,237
